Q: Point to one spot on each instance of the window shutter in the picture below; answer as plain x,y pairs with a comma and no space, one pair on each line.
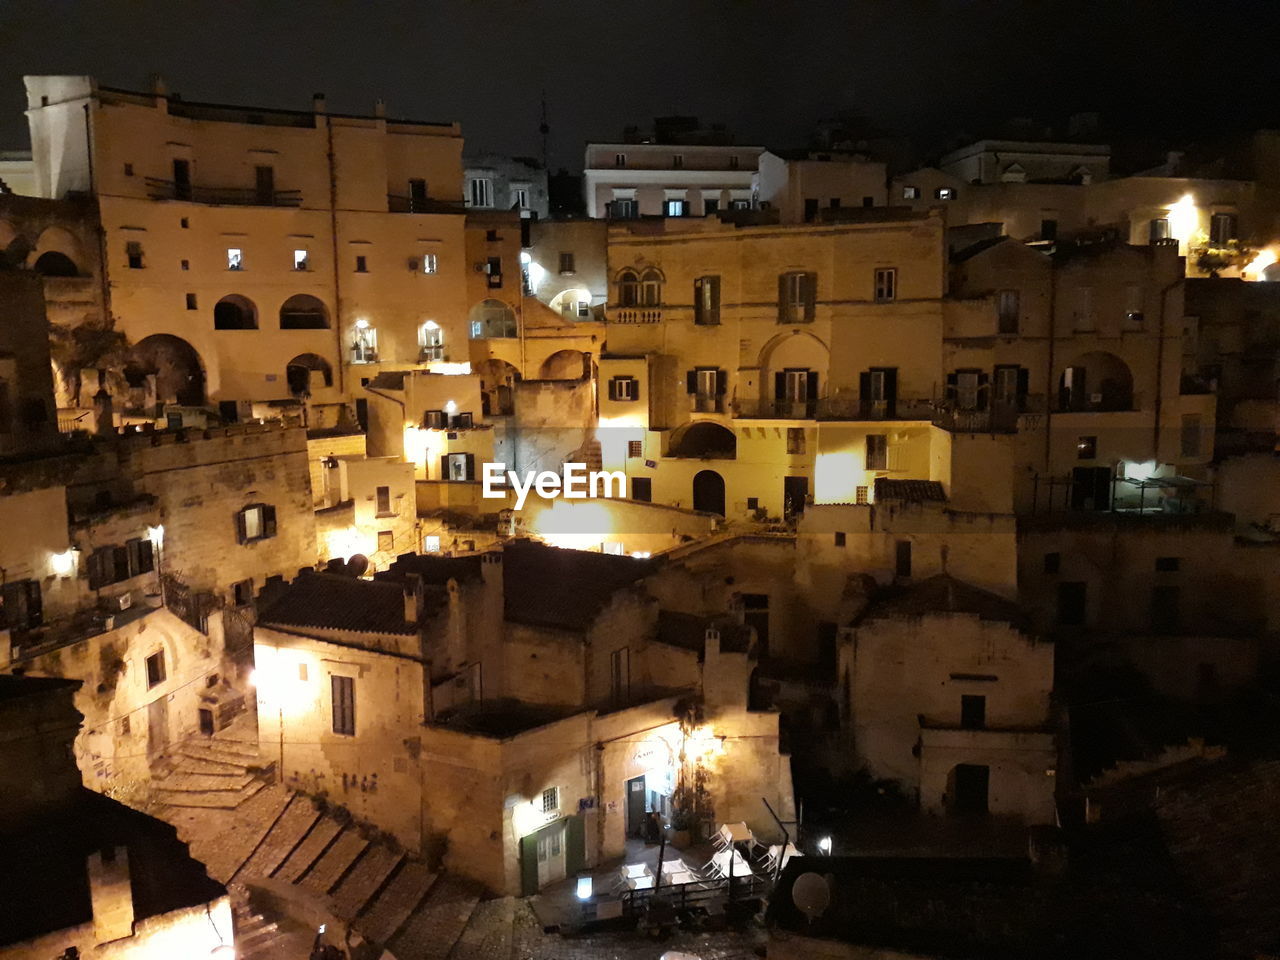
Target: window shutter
613,388
471,466
95,569
120,563
984,389
811,386
268,521
953,380
35,605
722,382
242,535
891,391
779,386
691,381
1023,383
715,301
146,556
782,298
810,282
864,390
444,467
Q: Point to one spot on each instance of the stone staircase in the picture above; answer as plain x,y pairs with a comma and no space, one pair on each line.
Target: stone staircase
210,772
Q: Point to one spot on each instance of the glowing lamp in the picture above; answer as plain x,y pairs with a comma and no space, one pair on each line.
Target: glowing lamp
362,324
156,535
525,258
450,407
584,888
431,325
824,845
64,564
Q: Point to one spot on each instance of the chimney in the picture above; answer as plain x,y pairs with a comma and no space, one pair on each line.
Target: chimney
158,85
711,648
317,103
412,598
111,894
103,415
380,108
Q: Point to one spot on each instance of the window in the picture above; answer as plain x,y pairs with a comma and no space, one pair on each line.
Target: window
635,448
382,499
886,284
128,169
191,301
463,421
877,451
967,389
1048,229
182,179
910,193
796,385
1159,229
862,496
184,223
417,194
1222,228
620,675
973,711
21,606
1087,448
184,265
155,669
256,522
755,607
551,800
386,541
795,440
624,208
362,263
1008,311
114,564
840,538
733,162
235,258
706,300
364,343
435,420
706,383
430,264
566,262
944,193
520,197
242,593
796,295
810,209
619,159
879,389
343,690
300,260
902,558
675,208
1010,390
493,267
642,489
133,252
753,503
1189,435
1084,319
1168,564
1052,563
677,160
459,467
624,388
430,341
650,289
866,202
481,192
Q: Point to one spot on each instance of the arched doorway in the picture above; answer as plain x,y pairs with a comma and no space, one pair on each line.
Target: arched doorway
54,263
234,312
708,492
175,364
564,365
703,440
306,372
303,312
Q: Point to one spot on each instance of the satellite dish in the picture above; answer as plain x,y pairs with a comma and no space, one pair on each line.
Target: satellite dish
357,564
811,895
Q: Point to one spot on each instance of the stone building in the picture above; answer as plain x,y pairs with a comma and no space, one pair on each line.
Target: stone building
801,183
497,182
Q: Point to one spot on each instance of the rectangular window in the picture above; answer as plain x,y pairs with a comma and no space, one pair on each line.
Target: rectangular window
1087,448
184,265
235,258
675,208
182,179
706,300
710,205
300,260
155,669
1010,387
795,440
877,451
944,193
520,197
624,388
862,496
755,614
493,267
795,386
642,489
362,264
382,497
902,558
430,263
242,593
343,690
635,448
566,262
256,522
128,169
1222,228
481,192
133,252
386,541
796,297
184,223
706,382
677,160
910,193
973,711
619,159
1052,563
191,301
886,284
417,194
21,605
810,209
1008,311
551,800
840,538
459,467
1189,436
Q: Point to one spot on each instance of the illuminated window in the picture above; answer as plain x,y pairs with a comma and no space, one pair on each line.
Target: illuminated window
675,208
481,192
944,193
364,343
256,522
886,284
344,705
300,260
431,544
1087,448
430,341
430,263
551,800
235,258
910,193
624,388
862,496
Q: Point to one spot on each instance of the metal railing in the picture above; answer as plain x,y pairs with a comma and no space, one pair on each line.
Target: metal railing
999,418
401,204
222,196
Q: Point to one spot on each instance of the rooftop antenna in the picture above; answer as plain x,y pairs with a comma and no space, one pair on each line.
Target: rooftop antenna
544,129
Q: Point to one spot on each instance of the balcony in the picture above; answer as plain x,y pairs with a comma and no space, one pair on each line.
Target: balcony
636,315
701,403
1001,418
399,204
222,196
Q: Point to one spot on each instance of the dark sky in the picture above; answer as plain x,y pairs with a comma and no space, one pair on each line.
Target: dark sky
767,68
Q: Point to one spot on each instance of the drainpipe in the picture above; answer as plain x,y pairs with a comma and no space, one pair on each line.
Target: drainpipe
1050,389
333,240
1155,431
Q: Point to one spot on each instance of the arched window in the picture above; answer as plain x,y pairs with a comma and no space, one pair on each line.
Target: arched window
52,263
307,371
234,312
303,312
650,288
492,319
430,341
628,289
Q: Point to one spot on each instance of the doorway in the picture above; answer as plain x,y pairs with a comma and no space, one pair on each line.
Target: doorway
795,490
157,727
970,788
206,722
708,492
1091,488
551,854
635,806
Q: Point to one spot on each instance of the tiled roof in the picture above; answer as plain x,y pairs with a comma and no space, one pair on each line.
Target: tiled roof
333,602
433,569
942,594
563,589
912,491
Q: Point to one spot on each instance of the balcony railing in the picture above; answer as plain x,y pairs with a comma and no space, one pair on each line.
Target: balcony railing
222,196
399,204
700,403
636,315
1001,418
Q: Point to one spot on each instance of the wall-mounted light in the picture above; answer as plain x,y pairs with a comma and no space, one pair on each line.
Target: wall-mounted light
156,535
64,564
824,846
450,407
525,258
362,324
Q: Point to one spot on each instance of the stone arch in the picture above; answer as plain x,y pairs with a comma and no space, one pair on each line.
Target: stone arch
300,373
234,312
566,302
175,364
304,312
55,263
59,240
792,353
1095,381
564,365
492,319
497,386
708,492
703,440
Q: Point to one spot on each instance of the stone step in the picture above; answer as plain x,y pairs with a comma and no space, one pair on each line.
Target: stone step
285,834
489,933
436,925
204,768
208,799
224,850
337,860
364,880
309,850
207,754
197,782
265,932
394,903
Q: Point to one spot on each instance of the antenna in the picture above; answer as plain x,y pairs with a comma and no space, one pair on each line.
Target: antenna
544,129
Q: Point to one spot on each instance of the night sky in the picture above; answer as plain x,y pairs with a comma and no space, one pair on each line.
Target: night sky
931,69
